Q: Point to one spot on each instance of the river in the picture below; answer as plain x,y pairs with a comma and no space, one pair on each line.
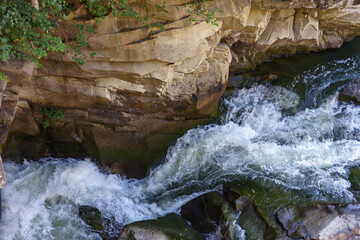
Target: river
292,137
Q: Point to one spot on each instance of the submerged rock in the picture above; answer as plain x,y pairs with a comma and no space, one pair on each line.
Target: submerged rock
236,217
354,178
251,220
170,227
351,93
229,228
321,221
204,212
107,228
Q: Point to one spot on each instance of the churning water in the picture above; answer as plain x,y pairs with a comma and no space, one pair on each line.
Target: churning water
301,140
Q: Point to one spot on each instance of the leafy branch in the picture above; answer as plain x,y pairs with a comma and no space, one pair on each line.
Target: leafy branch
199,11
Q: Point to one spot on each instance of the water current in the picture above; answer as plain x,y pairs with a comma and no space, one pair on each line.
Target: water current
293,137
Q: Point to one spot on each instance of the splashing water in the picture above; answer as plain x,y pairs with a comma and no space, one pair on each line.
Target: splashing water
266,135
308,151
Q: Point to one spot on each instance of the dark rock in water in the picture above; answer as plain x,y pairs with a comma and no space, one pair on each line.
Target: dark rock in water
351,92
170,227
321,221
210,212
251,220
107,228
229,228
230,195
270,77
129,169
354,178
204,212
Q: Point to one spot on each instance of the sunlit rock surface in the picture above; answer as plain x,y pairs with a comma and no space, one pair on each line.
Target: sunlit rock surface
321,221
145,87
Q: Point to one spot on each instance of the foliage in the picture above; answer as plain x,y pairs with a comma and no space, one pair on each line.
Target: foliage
29,33
51,114
199,11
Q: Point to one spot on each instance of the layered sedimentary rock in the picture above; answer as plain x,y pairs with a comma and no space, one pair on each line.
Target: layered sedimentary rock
145,86
130,101
278,28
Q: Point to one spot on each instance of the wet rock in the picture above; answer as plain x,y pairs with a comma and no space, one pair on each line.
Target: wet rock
107,228
321,221
354,178
252,221
236,217
268,197
351,93
2,179
129,169
268,78
228,226
170,227
204,212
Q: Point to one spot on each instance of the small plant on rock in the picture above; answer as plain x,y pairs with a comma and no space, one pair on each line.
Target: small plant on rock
51,114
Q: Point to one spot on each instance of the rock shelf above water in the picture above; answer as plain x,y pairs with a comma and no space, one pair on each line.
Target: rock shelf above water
143,88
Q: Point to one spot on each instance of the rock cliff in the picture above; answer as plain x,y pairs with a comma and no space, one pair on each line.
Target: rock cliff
144,87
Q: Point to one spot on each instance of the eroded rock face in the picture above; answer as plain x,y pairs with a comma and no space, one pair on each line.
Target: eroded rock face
134,98
321,221
278,28
144,88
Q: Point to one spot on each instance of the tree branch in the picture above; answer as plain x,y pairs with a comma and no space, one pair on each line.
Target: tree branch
35,4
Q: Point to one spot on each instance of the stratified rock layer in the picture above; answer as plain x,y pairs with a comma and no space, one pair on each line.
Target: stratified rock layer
144,87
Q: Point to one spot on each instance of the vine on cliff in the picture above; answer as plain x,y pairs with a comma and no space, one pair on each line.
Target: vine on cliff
29,29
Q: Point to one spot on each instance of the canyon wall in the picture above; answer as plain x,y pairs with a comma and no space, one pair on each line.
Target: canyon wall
146,86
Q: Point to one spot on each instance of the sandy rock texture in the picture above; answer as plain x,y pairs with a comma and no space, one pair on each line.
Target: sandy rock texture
145,87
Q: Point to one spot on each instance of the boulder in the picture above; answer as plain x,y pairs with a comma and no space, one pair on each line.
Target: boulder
351,93
107,228
252,221
235,217
170,227
354,178
229,227
204,212
321,221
